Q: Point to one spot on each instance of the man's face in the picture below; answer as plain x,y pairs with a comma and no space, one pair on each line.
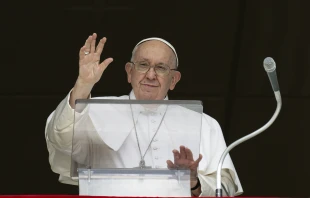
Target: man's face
149,85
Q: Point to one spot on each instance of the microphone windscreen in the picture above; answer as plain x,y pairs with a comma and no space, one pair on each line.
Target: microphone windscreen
269,64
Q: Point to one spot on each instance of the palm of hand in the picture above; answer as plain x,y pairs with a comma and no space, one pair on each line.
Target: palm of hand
184,163
184,160
90,68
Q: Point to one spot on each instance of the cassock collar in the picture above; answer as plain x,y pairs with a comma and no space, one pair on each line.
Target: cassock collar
140,108
133,97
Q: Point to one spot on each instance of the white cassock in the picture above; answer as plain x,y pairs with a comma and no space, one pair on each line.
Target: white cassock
115,142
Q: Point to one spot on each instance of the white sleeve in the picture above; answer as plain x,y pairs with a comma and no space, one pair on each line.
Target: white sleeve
208,184
58,135
212,146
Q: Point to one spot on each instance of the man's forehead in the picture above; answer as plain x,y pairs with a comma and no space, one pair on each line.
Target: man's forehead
155,40
153,43
151,46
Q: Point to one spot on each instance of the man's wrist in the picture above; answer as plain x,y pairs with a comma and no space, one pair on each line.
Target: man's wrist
195,184
82,90
83,86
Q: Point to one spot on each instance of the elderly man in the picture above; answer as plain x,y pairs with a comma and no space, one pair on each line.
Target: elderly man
152,72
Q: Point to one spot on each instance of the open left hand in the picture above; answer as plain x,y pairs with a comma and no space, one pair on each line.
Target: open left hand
184,159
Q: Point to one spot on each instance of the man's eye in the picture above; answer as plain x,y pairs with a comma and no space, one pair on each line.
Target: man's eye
161,67
144,65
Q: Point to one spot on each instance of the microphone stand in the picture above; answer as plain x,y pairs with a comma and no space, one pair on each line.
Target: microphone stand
218,192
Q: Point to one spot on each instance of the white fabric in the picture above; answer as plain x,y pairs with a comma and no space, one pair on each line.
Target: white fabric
59,142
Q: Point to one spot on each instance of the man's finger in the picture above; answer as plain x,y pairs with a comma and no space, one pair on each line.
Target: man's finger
105,64
170,165
82,52
87,44
189,154
93,43
194,165
182,152
198,160
100,45
176,155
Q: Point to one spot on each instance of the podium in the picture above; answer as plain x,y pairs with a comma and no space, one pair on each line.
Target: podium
121,147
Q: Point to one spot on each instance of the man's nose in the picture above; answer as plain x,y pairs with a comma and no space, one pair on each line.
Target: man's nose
151,74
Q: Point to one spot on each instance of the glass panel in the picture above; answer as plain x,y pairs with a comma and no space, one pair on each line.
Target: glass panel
134,182
122,133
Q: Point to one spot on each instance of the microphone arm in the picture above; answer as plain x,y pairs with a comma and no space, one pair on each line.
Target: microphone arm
218,192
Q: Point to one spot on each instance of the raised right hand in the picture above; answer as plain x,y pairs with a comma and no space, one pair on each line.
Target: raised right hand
90,68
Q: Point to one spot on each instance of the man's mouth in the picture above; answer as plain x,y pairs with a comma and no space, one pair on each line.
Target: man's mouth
149,85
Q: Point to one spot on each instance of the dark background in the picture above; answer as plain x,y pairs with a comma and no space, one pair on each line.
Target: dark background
221,47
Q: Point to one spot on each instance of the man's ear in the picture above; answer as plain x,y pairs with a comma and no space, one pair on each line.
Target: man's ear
128,68
175,79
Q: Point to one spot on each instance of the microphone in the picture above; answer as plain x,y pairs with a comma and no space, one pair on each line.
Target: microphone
270,67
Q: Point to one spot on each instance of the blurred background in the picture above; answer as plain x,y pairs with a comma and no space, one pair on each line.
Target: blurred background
221,47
